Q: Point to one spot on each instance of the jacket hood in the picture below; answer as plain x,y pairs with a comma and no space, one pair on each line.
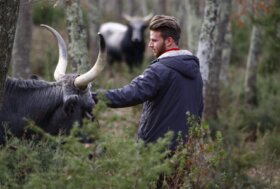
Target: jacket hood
182,61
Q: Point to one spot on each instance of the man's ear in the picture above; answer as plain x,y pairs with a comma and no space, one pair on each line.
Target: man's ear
169,42
70,104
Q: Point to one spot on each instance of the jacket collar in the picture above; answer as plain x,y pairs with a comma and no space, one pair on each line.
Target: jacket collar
174,52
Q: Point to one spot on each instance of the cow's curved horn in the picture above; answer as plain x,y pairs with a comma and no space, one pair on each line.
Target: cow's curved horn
83,80
62,61
127,17
148,17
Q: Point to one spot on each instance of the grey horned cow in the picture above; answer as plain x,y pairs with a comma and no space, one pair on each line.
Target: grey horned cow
53,106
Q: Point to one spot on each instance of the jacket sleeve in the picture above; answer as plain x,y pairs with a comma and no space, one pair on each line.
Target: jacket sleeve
141,89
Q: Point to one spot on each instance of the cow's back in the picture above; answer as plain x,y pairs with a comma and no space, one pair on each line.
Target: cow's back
25,101
113,33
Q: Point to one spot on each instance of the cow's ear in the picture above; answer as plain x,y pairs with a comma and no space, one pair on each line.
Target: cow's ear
148,18
70,104
127,17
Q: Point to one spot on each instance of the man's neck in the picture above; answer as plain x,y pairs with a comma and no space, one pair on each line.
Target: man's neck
171,49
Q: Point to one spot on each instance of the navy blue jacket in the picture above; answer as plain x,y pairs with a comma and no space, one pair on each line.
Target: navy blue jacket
170,87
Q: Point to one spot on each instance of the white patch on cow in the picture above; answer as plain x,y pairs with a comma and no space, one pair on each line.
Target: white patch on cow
136,30
113,33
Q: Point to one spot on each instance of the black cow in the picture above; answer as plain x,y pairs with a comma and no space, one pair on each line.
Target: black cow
53,106
126,42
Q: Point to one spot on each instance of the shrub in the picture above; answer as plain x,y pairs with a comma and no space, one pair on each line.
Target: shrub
197,163
111,161
44,12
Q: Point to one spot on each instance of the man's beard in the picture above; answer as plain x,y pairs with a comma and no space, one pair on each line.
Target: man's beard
161,50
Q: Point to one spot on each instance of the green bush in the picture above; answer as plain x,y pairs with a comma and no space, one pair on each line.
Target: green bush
44,65
271,147
111,161
264,117
250,133
271,42
240,42
44,12
198,162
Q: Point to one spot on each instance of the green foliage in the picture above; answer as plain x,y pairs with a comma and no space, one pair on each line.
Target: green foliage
118,161
45,64
272,146
199,160
21,159
271,43
269,22
250,134
240,43
44,12
111,161
264,117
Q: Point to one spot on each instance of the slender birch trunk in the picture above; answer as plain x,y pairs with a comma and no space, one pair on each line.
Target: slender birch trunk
212,92
252,64
194,10
226,54
206,39
78,52
207,44
94,24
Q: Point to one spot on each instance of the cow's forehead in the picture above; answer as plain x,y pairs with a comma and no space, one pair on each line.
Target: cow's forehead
67,81
137,23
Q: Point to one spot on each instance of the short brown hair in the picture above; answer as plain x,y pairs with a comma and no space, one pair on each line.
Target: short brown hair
167,25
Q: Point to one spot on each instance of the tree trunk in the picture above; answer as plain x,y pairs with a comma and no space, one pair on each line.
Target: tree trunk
251,68
22,43
212,92
194,10
206,44
78,52
226,54
137,8
206,39
144,7
8,19
94,24
119,8
177,8
133,8
160,6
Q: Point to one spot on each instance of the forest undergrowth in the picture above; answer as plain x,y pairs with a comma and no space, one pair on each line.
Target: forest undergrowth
219,154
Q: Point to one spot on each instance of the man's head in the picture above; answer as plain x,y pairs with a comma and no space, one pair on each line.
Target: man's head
164,34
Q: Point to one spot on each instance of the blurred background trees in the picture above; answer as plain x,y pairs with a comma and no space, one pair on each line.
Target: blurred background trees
238,45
